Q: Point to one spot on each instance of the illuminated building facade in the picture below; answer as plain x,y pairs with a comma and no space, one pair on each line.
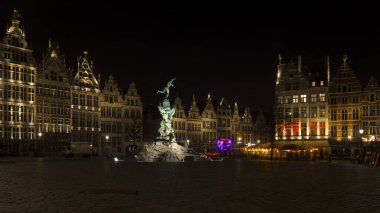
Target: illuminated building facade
201,130
133,117
180,121
301,106
111,104
370,116
345,104
85,96
18,77
209,124
53,99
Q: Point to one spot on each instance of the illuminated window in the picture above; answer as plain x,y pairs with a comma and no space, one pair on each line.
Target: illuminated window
295,98
303,98
314,98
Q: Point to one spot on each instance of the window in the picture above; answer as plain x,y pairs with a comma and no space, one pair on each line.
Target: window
344,100
355,99
344,114
366,111
280,100
295,98
314,112
333,101
322,128
295,129
314,98
313,128
303,112
322,97
303,129
322,111
344,131
295,112
321,83
333,131
355,114
372,130
355,130
303,98
288,113
333,114
295,86
373,111
313,83
288,99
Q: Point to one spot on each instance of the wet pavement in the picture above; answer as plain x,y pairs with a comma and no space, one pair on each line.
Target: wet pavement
99,185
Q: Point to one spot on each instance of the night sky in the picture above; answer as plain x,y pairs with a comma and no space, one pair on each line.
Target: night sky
227,48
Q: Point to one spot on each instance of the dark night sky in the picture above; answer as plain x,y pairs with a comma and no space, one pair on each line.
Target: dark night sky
229,49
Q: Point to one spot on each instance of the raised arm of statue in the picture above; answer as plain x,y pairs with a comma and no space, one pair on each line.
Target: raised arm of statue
166,89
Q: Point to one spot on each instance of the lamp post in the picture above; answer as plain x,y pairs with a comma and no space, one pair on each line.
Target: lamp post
361,143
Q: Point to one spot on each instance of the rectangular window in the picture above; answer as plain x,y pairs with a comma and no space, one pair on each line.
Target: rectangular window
295,129
313,128
344,100
295,112
366,127
288,113
303,129
344,114
355,114
288,99
303,112
355,99
372,130
344,131
280,100
313,98
322,111
355,130
314,112
322,128
303,98
333,101
333,131
366,111
333,115
295,98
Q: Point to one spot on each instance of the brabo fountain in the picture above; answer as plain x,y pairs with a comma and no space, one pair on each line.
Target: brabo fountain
165,148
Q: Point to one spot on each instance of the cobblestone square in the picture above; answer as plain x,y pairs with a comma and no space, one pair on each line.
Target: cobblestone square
98,185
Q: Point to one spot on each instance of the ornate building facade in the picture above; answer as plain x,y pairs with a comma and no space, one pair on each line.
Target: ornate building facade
53,100
301,107
85,108
344,105
201,129
18,77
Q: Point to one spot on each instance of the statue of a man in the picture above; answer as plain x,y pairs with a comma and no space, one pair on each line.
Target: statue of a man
166,89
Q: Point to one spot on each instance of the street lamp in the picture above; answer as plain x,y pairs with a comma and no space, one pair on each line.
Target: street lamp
258,141
188,142
107,138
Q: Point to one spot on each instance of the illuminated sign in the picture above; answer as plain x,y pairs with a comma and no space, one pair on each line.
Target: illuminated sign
223,145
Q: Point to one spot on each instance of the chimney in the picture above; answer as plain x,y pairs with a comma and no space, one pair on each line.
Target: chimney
327,61
299,63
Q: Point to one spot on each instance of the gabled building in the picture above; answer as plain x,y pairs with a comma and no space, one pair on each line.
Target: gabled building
223,113
261,129
85,96
209,124
53,99
370,108
133,117
18,77
180,121
301,106
344,105
111,104
246,127
194,126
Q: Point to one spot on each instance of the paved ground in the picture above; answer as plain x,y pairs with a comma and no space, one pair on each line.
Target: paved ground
97,185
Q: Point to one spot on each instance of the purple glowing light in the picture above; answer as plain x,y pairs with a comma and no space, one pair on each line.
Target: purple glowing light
223,145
